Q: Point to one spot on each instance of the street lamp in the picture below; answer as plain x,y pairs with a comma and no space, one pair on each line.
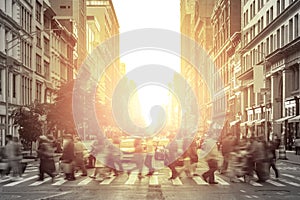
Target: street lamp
7,64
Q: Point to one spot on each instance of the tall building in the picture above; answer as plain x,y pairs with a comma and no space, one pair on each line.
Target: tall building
26,57
73,13
270,39
12,62
103,26
226,22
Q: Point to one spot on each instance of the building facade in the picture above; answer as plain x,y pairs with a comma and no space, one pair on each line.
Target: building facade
270,39
73,13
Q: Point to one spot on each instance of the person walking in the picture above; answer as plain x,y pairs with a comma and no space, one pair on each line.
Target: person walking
138,158
46,154
79,157
228,145
260,159
272,145
212,159
11,152
149,156
171,158
68,158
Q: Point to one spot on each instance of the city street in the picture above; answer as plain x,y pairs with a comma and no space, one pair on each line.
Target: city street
156,187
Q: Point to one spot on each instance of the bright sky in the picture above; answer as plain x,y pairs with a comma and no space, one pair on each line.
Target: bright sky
138,14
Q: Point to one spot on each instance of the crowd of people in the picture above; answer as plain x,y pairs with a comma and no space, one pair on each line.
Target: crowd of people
240,158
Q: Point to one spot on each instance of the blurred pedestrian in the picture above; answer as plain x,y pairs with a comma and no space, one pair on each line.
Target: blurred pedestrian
260,159
79,156
68,158
212,159
46,154
149,156
272,156
171,158
12,154
138,158
228,144
297,145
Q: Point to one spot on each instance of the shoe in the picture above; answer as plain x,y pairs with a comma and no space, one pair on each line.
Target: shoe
71,179
93,177
128,173
40,179
83,175
149,174
213,182
196,174
260,181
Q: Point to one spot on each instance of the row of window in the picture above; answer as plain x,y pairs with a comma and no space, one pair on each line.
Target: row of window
26,18
282,36
250,13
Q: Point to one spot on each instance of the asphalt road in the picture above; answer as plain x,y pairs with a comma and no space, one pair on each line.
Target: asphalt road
155,187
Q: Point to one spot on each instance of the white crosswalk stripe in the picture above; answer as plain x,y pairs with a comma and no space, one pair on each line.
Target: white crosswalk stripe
289,182
108,180
85,181
153,180
40,182
22,181
221,181
60,182
176,181
159,178
275,183
199,180
131,179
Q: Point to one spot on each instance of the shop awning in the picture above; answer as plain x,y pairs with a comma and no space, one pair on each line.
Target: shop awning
259,122
234,122
294,119
283,119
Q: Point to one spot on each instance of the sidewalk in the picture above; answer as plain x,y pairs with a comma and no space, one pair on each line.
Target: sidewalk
291,157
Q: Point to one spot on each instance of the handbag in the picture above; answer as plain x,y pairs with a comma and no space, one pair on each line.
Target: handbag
3,165
159,154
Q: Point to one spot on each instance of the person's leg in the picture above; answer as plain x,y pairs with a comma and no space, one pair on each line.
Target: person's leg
41,175
273,166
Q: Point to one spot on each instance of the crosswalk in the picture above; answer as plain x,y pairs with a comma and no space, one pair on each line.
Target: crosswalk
159,178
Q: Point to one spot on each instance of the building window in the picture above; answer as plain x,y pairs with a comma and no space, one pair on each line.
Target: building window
278,38
268,18
268,46
258,26
39,92
282,5
46,47
38,38
262,23
282,36
278,7
291,30
47,70
38,64
271,14
38,12
14,85
296,24
297,78
271,43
